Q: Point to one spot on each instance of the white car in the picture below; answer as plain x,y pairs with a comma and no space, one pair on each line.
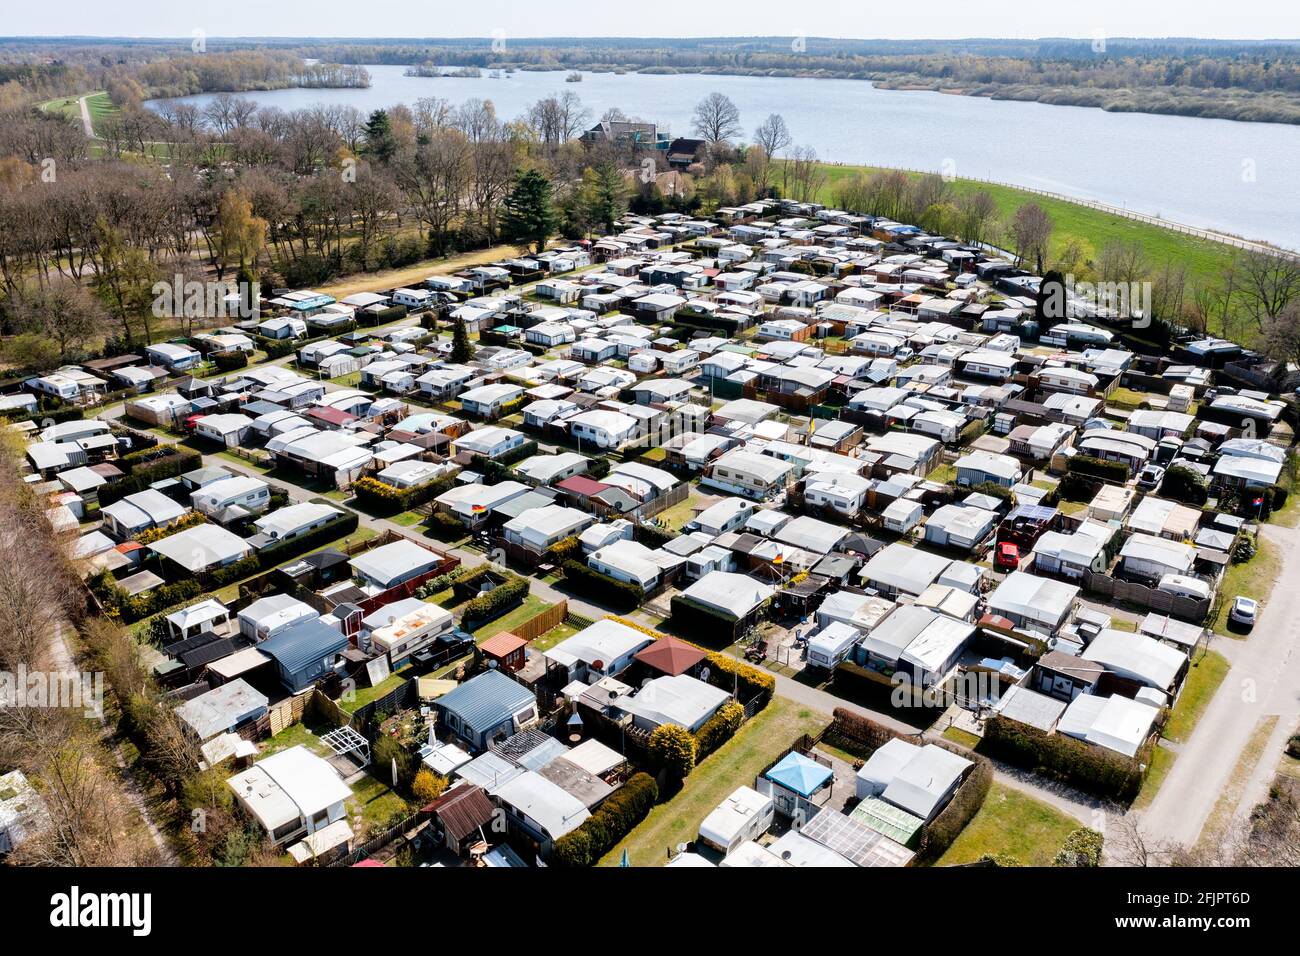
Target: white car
1244,611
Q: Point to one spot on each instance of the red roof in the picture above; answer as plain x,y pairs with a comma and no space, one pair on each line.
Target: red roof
581,485
503,644
331,416
671,656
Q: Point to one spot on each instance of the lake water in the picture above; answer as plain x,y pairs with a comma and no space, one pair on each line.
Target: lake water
1242,178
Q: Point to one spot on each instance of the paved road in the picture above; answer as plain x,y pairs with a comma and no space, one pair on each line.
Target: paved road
1264,680
86,124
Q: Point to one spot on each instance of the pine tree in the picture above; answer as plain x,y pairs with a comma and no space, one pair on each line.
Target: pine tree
380,143
461,350
530,210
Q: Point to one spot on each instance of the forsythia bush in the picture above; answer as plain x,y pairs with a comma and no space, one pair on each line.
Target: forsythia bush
673,748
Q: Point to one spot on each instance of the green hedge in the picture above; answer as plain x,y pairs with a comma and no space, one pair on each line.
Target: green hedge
169,464
1112,471
478,611
229,361
745,680
611,592
704,623
613,820
1082,848
940,833
718,729
131,609
378,497
1079,764
277,554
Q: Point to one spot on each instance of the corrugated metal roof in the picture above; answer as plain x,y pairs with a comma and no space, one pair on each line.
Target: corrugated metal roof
486,700
301,643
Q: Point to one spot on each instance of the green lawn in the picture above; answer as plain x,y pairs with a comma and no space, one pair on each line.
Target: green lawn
679,514
300,733
963,737
1162,761
532,606
1254,579
407,519
1014,825
552,637
365,695
1203,678
1204,259
377,804
736,762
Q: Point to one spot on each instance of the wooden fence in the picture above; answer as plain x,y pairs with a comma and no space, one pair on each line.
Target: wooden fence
539,624
1162,602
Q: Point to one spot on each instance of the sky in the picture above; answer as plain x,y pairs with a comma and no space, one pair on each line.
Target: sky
934,19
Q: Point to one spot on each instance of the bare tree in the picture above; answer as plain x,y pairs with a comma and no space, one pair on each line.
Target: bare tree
1269,283
1031,232
716,119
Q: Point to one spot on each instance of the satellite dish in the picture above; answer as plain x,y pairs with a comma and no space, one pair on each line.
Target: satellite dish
681,848
645,683
704,675
785,854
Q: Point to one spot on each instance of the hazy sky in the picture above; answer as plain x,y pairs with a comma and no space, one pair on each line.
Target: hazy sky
843,18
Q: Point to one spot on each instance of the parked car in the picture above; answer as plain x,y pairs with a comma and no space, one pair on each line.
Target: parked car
1244,611
1008,557
1150,478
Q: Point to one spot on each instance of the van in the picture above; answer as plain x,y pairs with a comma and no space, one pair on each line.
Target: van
1182,586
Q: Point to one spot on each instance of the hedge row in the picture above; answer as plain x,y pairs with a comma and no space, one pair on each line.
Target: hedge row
494,603
619,595
172,463
131,609
613,820
940,833
746,680
1112,471
276,554
1080,764
718,729
379,497
150,535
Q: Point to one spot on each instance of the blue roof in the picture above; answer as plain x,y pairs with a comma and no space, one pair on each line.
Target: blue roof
484,701
303,642
799,774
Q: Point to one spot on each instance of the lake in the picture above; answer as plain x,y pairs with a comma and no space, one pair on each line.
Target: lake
1242,178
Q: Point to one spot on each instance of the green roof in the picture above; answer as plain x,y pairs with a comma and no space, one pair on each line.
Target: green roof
888,820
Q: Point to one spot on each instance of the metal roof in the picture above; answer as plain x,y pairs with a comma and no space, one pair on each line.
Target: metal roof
486,700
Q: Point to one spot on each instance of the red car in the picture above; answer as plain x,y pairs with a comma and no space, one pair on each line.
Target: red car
1008,557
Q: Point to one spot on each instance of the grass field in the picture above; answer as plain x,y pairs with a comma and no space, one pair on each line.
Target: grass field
1253,579
1203,258
1162,761
1014,825
532,606
1203,679
737,761
98,105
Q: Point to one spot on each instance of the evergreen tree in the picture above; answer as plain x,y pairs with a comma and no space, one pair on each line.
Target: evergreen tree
380,143
530,210
461,350
603,195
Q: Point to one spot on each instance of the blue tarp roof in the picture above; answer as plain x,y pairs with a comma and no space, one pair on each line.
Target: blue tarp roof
486,700
302,643
800,774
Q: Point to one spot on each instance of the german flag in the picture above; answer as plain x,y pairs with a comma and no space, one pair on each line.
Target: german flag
779,559
477,509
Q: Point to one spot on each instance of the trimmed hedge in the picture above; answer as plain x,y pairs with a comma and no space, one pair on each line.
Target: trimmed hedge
379,497
150,535
1112,471
1073,761
612,592
170,464
613,820
718,729
494,603
229,361
940,833
746,680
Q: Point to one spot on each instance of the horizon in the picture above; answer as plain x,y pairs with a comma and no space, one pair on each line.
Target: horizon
392,19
